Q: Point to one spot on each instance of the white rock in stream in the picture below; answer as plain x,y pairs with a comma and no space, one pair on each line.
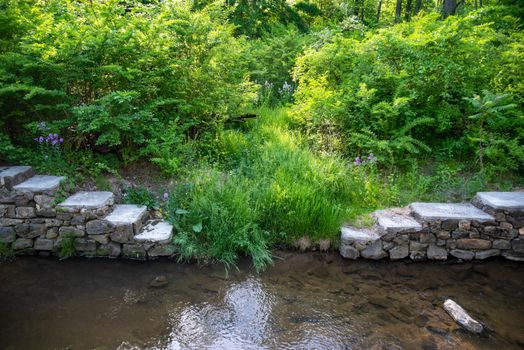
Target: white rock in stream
461,317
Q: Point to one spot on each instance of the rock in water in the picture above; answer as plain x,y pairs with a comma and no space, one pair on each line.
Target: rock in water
158,282
461,317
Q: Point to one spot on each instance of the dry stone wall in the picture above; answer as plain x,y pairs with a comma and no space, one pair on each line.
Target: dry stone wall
492,225
38,216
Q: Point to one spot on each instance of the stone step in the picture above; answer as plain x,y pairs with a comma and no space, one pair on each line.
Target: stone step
88,200
512,201
155,231
396,220
351,235
14,175
40,184
428,212
128,217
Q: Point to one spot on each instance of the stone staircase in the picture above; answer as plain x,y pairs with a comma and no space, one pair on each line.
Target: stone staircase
34,221
492,225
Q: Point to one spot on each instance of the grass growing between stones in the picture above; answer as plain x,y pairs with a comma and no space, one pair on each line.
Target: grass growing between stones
67,247
6,252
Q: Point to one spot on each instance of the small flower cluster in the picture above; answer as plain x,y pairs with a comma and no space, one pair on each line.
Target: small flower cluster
370,159
52,139
286,89
268,85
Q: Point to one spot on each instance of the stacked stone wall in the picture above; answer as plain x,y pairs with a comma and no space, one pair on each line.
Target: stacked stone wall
33,223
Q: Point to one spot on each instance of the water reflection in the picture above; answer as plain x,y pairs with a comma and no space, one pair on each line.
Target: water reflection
239,320
303,302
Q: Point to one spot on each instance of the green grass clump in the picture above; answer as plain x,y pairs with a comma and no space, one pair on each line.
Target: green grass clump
6,251
270,189
67,247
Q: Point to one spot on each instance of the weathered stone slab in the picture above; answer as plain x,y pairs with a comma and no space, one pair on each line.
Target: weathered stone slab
461,317
158,231
128,215
352,235
40,184
13,175
473,243
484,254
396,220
449,211
7,234
501,200
88,200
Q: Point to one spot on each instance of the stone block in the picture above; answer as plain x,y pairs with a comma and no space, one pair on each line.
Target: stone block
102,239
134,251
399,252
518,245
349,252
52,222
71,231
122,234
7,234
462,254
25,212
85,245
437,253
427,238
22,243
473,243
162,250
99,227
501,244
43,244
484,254
13,175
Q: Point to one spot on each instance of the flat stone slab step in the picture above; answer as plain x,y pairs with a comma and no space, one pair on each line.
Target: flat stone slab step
396,220
88,200
40,183
158,231
350,235
124,214
501,200
449,211
13,175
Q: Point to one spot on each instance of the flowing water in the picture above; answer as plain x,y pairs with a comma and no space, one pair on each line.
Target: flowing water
305,301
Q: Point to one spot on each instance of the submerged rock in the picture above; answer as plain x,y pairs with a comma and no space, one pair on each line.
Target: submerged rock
159,282
461,317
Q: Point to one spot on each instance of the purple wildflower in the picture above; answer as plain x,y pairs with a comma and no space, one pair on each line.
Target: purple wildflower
41,139
357,161
61,140
166,196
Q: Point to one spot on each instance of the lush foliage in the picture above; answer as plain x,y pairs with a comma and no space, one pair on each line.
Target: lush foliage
274,120
406,90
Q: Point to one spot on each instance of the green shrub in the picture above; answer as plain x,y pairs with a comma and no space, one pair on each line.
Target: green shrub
399,92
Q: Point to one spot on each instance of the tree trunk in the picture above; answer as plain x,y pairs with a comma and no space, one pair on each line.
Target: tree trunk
362,6
418,6
379,7
398,11
480,3
449,7
407,15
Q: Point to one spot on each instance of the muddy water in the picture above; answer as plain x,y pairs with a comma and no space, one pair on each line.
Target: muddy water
308,301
